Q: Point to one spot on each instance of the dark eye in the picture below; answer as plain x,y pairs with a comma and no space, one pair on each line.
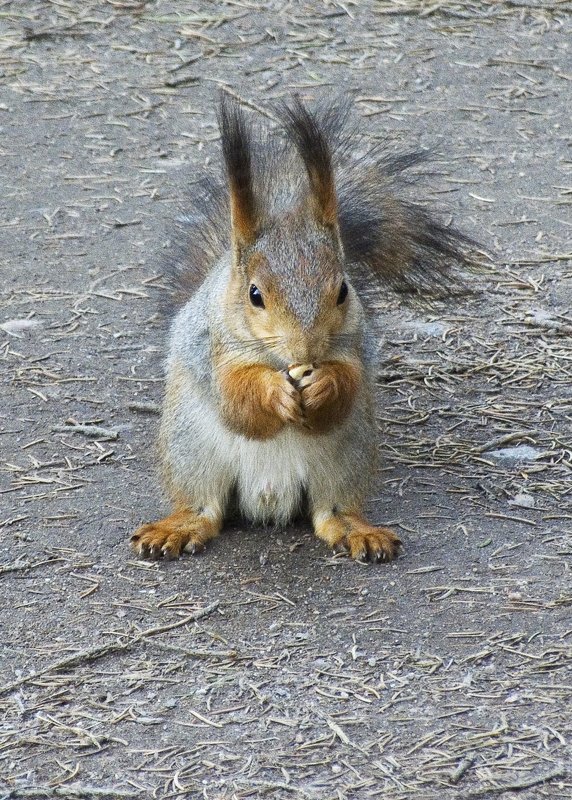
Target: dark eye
255,296
343,293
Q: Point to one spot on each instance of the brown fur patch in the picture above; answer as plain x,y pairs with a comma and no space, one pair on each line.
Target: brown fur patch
257,401
328,393
323,198
243,215
332,530
257,262
168,537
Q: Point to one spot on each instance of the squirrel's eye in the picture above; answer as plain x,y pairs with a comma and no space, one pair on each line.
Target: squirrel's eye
255,296
343,293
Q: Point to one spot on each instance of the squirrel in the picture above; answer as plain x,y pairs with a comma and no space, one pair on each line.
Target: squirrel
269,398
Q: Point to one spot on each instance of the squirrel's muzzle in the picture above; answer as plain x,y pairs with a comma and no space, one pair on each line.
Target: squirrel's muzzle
307,347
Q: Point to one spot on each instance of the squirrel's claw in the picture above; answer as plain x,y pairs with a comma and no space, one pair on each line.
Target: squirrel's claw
341,548
194,548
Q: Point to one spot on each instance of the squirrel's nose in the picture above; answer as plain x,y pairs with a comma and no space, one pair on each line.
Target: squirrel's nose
299,347
306,348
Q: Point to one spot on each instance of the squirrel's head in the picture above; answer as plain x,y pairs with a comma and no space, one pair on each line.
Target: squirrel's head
289,293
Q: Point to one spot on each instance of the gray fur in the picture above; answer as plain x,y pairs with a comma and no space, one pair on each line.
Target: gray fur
205,462
291,248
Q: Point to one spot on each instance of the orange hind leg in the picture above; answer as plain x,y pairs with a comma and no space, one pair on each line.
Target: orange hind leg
351,533
184,530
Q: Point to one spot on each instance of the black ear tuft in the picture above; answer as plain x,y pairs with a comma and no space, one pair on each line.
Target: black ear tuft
236,138
310,136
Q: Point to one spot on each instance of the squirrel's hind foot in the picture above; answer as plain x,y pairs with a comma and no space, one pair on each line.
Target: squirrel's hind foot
352,535
167,538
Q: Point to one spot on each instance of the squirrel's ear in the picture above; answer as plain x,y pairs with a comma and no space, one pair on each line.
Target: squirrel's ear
237,151
314,149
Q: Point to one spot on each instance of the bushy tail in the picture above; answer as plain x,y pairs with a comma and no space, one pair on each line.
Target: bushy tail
402,244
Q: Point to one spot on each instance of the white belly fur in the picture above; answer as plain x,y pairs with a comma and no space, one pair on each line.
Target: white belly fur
271,476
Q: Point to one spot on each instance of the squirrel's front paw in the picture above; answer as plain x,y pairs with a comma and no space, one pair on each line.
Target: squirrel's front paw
284,399
257,401
318,387
328,392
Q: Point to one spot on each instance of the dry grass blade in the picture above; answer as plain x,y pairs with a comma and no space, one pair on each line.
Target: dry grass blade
68,792
99,651
516,786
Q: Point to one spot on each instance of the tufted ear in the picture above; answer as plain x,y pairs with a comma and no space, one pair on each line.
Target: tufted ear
236,138
312,144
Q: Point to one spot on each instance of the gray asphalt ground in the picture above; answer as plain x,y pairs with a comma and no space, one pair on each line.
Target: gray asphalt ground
266,667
